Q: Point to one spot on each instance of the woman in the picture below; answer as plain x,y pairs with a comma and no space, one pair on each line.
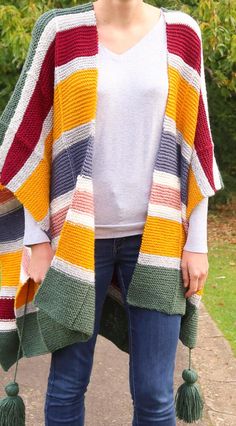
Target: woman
126,30
130,112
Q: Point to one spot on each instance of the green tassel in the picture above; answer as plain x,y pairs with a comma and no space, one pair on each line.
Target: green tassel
12,408
188,399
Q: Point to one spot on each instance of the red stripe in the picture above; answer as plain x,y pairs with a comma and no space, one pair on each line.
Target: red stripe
7,309
76,42
203,143
184,42
47,75
30,128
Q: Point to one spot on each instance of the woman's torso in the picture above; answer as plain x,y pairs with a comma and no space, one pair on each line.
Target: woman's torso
132,94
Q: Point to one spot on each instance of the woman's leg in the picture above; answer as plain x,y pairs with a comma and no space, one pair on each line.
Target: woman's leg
71,366
153,344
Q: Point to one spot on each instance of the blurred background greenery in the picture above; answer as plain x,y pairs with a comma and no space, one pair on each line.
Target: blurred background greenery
217,20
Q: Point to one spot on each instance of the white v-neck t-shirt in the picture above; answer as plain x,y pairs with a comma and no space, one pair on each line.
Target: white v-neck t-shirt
132,96
132,89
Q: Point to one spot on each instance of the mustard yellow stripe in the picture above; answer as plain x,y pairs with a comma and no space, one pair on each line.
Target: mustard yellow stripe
10,268
34,193
183,113
200,292
162,237
38,183
21,294
194,194
75,101
78,245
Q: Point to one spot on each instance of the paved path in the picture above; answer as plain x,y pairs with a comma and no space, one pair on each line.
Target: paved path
216,366
108,400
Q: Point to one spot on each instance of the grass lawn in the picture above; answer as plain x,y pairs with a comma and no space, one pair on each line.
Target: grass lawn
220,288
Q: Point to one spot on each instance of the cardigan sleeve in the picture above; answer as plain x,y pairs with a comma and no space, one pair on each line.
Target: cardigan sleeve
26,127
204,180
204,175
25,163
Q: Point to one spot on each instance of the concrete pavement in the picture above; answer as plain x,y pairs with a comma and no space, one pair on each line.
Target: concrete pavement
108,399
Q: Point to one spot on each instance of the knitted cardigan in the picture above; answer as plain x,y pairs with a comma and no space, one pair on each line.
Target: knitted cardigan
46,135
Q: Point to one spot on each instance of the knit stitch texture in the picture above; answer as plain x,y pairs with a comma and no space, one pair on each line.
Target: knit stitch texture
46,135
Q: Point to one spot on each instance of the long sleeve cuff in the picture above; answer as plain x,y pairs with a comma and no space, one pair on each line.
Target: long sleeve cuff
33,233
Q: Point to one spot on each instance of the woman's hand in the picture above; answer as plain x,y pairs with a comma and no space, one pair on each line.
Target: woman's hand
194,271
41,258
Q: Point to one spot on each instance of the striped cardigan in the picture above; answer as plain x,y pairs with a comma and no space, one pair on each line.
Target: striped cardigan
46,135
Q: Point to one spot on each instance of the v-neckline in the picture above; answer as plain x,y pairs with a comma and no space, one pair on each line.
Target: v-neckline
131,48
163,140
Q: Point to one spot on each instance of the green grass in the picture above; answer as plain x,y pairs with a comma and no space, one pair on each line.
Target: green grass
220,289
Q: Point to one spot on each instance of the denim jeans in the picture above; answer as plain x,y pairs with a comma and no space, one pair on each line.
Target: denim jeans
153,338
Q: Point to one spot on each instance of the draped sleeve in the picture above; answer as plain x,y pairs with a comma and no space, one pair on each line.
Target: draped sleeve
26,136
205,178
26,126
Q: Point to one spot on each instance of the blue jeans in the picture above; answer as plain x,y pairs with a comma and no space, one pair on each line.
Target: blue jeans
153,339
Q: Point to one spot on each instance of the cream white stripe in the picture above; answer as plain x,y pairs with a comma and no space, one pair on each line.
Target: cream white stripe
74,271
12,246
204,92
54,242
9,206
164,212
8,291
46,38
61,202
34,158
6,326
64,71
66,22
77,218
164,178
186,149
179,17
72,137
184,210
186,71
217,175
159,261
169,125
195,299
84,184
45,223
201,178
31,308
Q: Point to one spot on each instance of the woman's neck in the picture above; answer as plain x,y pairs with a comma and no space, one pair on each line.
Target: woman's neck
122,13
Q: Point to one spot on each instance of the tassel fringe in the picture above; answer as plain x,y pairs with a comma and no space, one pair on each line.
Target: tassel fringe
12,407
189,402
